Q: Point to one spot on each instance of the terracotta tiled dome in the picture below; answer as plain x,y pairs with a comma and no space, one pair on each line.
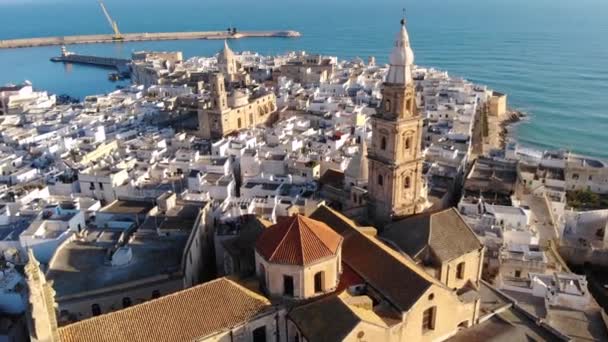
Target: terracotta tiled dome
298,240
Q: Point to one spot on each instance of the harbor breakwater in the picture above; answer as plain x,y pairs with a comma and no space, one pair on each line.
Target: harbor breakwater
138,37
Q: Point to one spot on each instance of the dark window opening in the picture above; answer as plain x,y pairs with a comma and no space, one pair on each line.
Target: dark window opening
460,271
428,319
380,180
95,309
259,334
319,282
288,285
383,143
262,278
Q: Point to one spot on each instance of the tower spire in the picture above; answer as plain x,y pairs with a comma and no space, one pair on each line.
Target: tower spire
395,184
401,58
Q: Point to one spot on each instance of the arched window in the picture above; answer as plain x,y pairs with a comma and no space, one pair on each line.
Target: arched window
406,182
126,302
380,180
95,309
238,122
259,334
387,105
383,143
407,143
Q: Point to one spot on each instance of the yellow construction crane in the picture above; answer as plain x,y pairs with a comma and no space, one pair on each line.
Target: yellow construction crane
113,25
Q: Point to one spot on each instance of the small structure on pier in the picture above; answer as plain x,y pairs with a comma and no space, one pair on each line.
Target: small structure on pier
121,65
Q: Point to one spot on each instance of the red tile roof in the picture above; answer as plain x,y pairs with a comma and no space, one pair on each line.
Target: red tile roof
187,315
348,278
298,240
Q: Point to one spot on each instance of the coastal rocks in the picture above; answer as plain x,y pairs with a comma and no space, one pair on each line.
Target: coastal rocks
511,117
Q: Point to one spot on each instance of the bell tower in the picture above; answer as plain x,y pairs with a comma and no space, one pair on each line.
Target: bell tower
220,97
395,182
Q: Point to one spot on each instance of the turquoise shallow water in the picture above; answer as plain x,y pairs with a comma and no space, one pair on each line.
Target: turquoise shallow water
551,57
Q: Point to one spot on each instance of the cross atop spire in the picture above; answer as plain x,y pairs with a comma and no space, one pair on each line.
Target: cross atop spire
403,17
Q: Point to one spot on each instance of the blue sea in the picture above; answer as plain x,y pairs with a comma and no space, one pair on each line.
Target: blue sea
549,56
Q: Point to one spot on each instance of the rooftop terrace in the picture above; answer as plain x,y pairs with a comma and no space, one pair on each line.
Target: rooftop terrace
85,265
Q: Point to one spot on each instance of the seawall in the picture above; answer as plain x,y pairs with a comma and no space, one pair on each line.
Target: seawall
138,37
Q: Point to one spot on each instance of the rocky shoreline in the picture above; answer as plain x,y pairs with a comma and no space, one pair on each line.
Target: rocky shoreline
511,117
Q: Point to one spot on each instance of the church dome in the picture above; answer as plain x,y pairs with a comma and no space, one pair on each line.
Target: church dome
299,241
238,99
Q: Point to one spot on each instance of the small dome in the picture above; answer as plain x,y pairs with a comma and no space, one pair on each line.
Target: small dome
298,240
238,99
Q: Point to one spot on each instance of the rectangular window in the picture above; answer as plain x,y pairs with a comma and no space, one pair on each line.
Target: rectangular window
319,282
428,319
100,186
288,285
460,271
